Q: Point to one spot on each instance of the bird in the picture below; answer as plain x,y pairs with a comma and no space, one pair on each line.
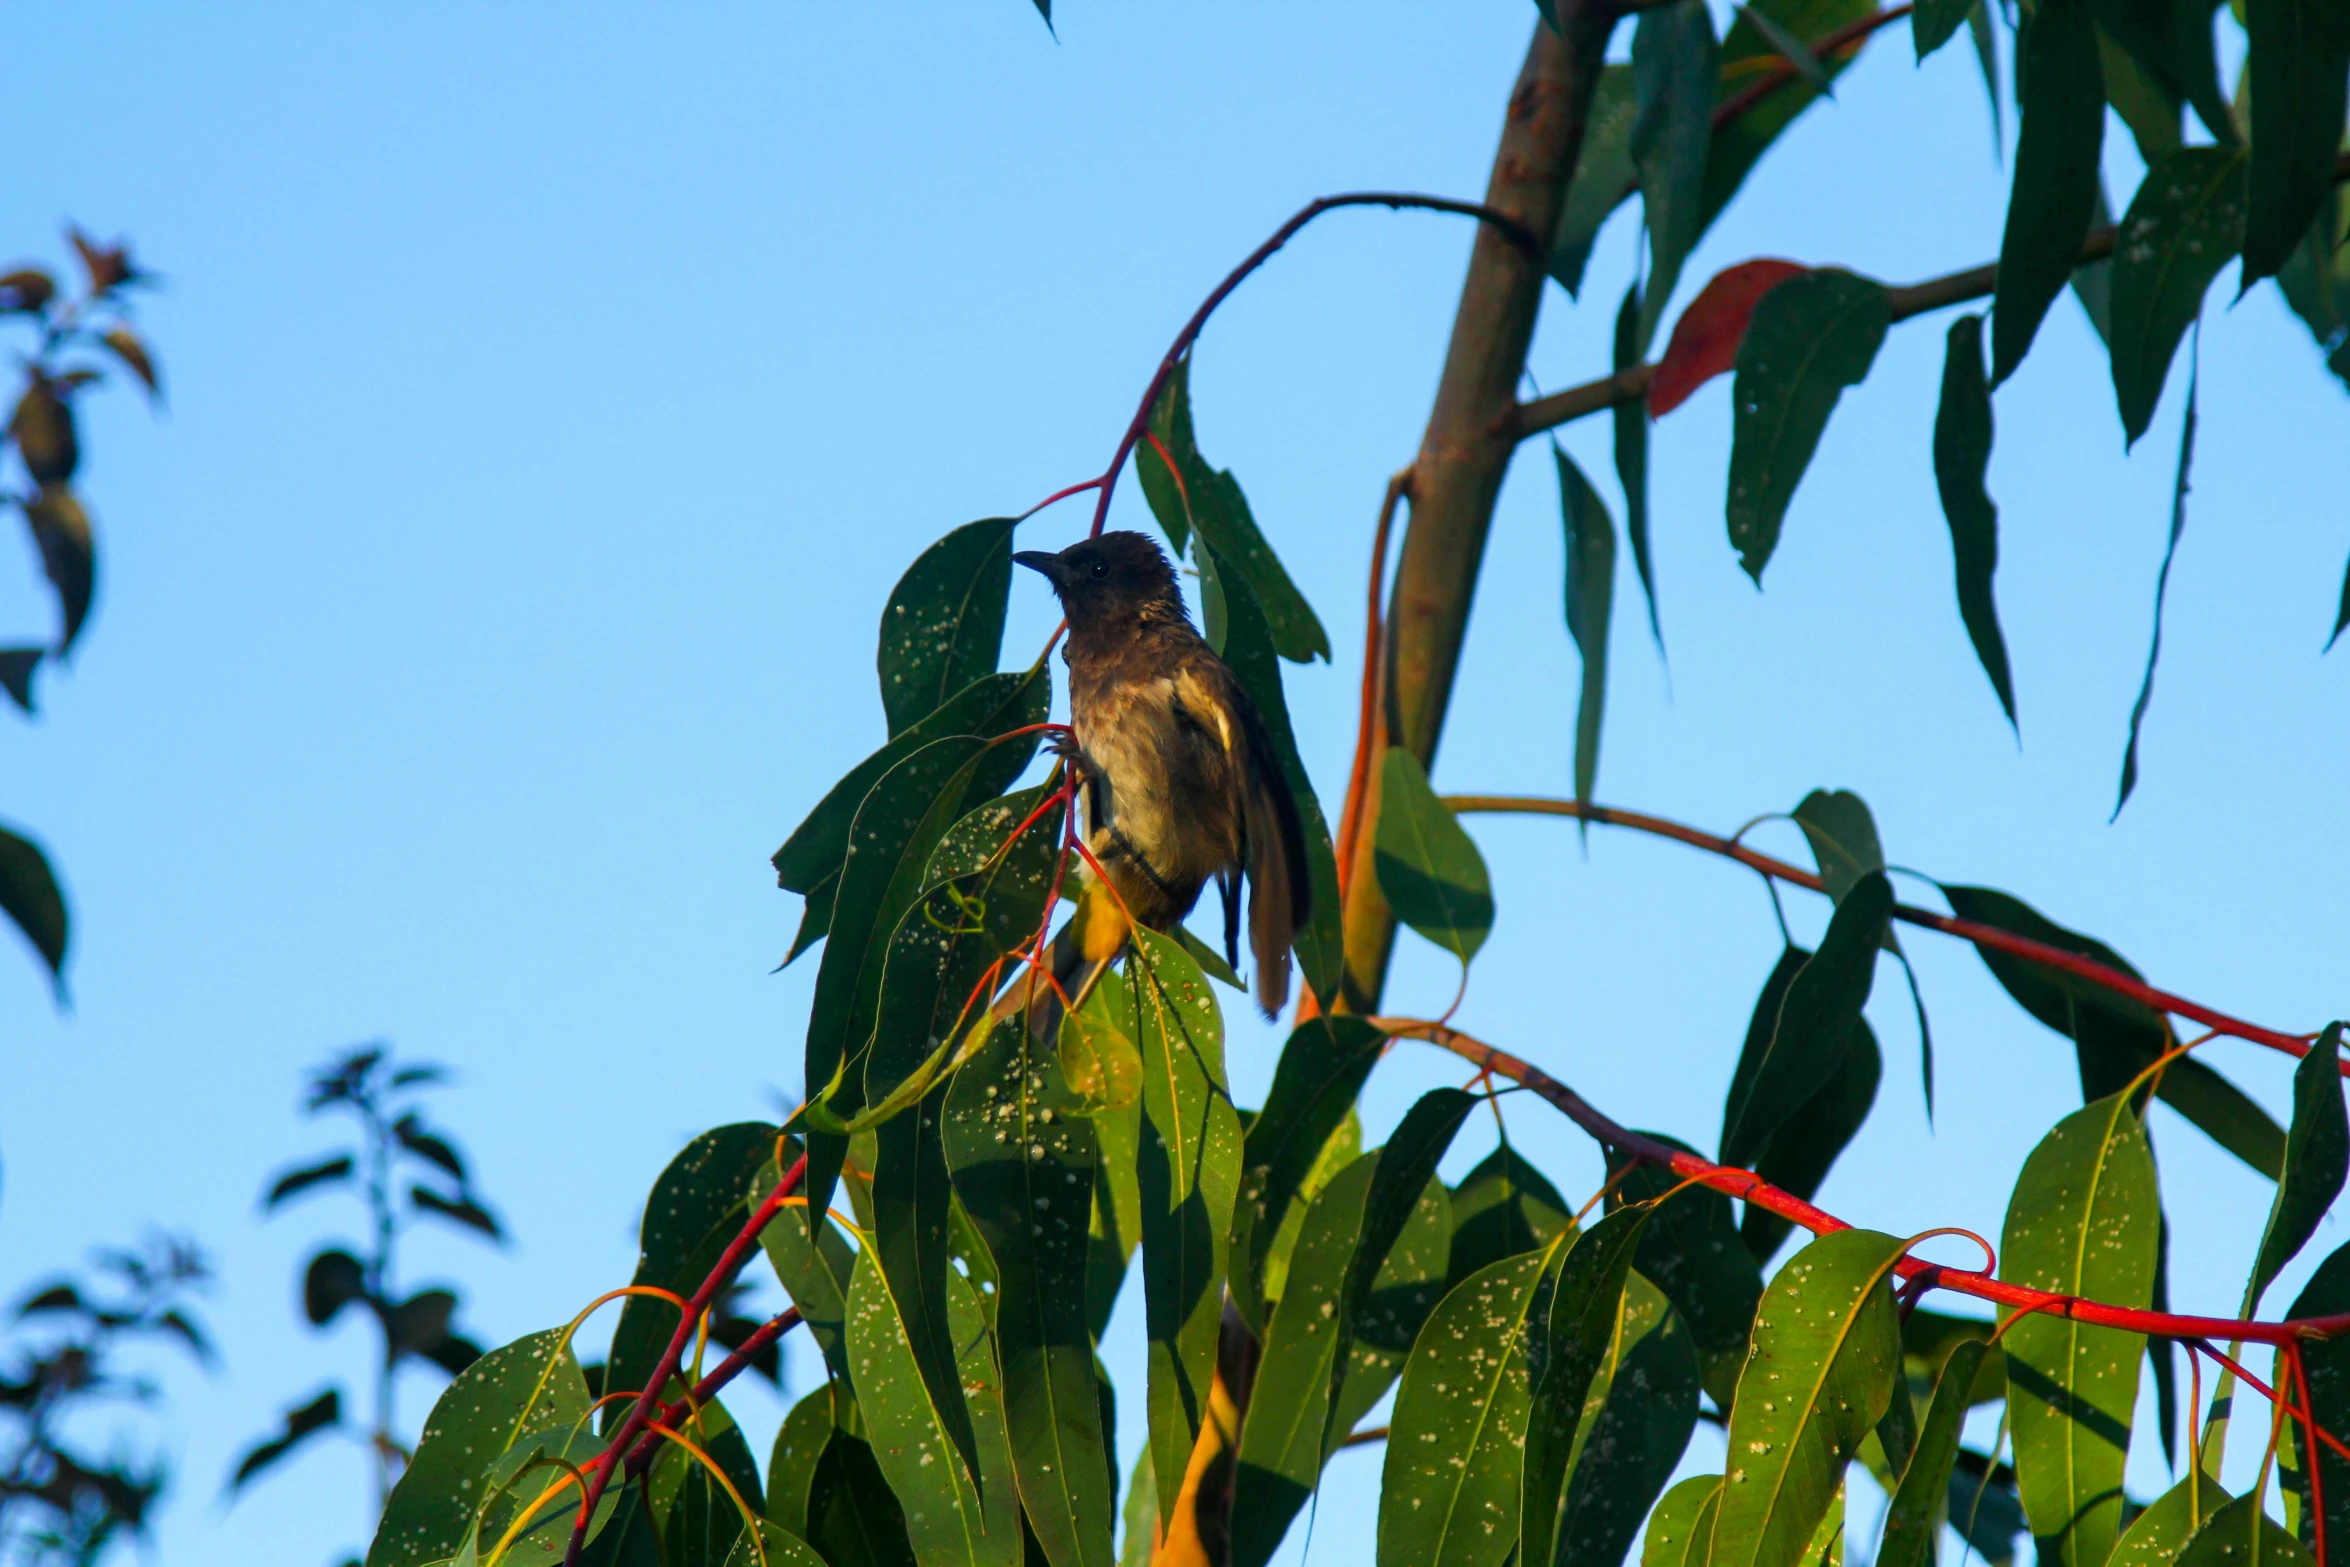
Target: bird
1178,773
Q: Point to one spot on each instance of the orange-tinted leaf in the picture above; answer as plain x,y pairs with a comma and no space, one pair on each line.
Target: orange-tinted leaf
43,427
109,266
1706,338
62,530
132,352
27,289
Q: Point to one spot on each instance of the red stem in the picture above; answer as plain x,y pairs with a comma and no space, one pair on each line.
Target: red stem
711,1386
2309,1455
1757,1192
1784,70
1982,935
1399,201
600,1471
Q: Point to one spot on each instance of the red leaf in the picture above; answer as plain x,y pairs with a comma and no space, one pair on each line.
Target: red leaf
1705,339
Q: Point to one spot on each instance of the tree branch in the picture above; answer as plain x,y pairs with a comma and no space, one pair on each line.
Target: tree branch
1966,930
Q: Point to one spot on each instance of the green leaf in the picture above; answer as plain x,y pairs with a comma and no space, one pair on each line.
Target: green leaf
1795,52
1843,838
853,1519
1193,498
1023,1161
1117,1209
1428,866
912,1202
774,1548
1591,589
2146,105
2170,553
2317,1158
2084,1220
1141,1514
2315,280
1935,22
2092,281
2185,223
1692,1252
1962,456
514,1400
984,896
791,1465
1605,175
2327,1363
1815,1026
1631,446
947,1517
991,705
1929,1338
1291,1428
1805,1146
944,624
1190,1168
2115,1037
1682,1523
1675,63
702,1200
2157,1536
696,1519
2062,97
1449,1492
814,1273
2298,60
1569,1345
1503,1207
1248,650
2241,1534
1635,1427
304,1421
2169,44
1914,1516
1740,140
30,896
1322,1069
1809,339
1826,1351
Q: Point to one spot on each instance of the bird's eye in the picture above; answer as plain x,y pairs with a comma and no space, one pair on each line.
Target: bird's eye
1101,568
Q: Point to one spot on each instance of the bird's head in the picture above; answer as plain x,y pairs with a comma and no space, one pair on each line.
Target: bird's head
1115,580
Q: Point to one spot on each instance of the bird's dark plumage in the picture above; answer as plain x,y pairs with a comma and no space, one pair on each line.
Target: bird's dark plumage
1182,785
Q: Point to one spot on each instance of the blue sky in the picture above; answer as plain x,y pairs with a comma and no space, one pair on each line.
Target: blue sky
556,391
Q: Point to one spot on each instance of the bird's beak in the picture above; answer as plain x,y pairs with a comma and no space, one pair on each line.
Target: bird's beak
1043,562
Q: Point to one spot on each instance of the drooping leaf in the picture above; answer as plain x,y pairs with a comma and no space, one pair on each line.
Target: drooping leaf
2084,1220
1023,1163
43,426
1321,1070
1635,1426
1193,498
1428,866
1805,1146
2298,60
775,1547
2241,1534
944,624
853,1518
1675,64
949,1518
1962,456
330,1281
2317,1158
2114,1036
698,1515
528,1395
1503,1207
2170,553
1605,175
1449,1494
1705,340
1913,1517
2185,223
303,1422
1249,651
460,1210
1388,1318
2062,98
913,1198
791,1465
1810,338
17,665
293,1183
61,529
1740,140
2092,281
1935,22
127,346
2315,281
2157,1536
1568,1343
1140,1517
1117,1209
1692,1252
695,1209
1826,1352
815,1272
2170,46
1591,593
1815,1025
2326,1361
1631,454
2145,103
1842,835
1190,1168
1681,1528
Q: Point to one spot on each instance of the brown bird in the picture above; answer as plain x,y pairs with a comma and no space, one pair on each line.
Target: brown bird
1182,785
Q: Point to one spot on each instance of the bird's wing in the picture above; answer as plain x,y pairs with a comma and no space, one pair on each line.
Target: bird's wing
1281,893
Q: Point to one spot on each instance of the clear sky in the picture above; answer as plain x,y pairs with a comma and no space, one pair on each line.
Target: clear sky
555,392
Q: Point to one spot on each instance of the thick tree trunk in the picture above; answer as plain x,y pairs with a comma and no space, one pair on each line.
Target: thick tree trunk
1471,435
